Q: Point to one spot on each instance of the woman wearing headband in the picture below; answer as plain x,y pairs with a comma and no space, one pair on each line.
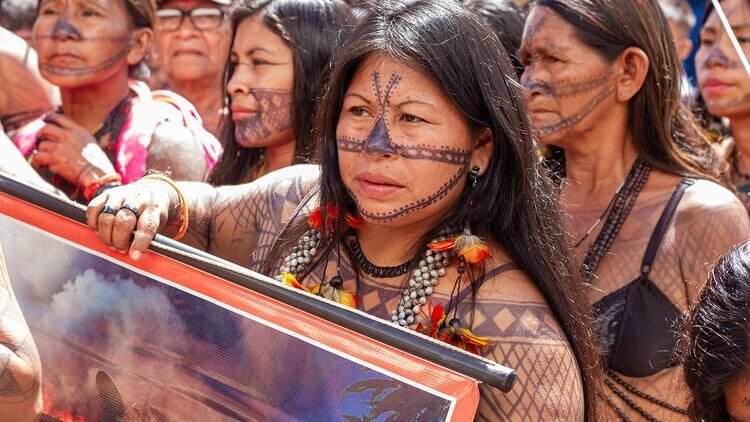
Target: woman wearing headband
645,215
724,82
429,208
111,128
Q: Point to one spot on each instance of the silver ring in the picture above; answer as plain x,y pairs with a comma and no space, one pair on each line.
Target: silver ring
109,210
131,208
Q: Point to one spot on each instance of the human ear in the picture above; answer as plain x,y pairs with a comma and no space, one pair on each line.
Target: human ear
140,45
633,66
482,154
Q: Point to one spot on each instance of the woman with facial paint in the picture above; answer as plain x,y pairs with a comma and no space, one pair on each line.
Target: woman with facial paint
112,128
725,84
644,214
280,53
436,213
717,344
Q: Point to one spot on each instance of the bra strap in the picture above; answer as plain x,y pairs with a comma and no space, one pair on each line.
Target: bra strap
661,226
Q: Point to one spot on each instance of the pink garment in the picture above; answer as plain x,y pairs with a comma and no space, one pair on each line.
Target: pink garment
148,110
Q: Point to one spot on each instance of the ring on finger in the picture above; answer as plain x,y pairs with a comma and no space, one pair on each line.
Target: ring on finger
109,210
131,208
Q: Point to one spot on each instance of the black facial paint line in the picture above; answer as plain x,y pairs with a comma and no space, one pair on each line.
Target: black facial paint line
86,70
273,114
579,115
716,57
379,140
414,206
531,36
454,156
568,88
65,30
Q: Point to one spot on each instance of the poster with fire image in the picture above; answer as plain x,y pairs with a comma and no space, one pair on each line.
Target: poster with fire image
158,340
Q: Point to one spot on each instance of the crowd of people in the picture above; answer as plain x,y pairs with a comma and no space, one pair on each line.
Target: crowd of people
453,164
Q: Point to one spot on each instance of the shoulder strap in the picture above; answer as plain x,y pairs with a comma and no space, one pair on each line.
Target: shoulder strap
661,226
466,291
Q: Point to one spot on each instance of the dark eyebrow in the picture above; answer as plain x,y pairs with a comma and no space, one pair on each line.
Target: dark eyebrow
254,49
361,97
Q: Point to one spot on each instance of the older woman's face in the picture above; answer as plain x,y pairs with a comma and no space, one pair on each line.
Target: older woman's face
82,42
404,148
567,84
261,86
723,82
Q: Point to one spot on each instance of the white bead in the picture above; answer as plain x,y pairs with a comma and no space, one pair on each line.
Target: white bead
428,252
412,282
424,270
402,322
409,319
416,273
441,272
416,309
422,263
413,295
313,251
428,290
430,260
294,262
422,300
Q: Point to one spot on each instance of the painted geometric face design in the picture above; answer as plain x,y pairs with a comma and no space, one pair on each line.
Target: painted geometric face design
550,88
273,115
76,40
379,144
722,79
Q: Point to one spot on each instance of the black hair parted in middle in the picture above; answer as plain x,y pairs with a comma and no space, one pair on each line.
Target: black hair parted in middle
515,206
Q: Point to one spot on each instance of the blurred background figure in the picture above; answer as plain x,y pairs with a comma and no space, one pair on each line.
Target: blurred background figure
507,20
192,45
24,95
681,20
717,347
18,16
111,127
279,58
725,85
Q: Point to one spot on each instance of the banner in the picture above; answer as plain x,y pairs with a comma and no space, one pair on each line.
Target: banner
159,340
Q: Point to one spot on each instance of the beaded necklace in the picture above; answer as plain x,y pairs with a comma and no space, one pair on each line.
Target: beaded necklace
422,280
622,204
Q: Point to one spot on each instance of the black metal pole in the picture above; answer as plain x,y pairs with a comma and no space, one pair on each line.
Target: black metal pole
480,369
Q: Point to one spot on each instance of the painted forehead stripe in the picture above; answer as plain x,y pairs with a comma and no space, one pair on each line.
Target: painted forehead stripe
417,205
417,152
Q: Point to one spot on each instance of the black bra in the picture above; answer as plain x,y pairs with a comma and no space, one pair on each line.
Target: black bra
637,324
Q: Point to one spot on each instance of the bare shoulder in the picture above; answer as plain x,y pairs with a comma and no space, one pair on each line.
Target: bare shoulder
525,335
175,149
709,205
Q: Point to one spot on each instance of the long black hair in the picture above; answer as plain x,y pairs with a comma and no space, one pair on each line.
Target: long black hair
455,48
311,28
717,343
664,131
